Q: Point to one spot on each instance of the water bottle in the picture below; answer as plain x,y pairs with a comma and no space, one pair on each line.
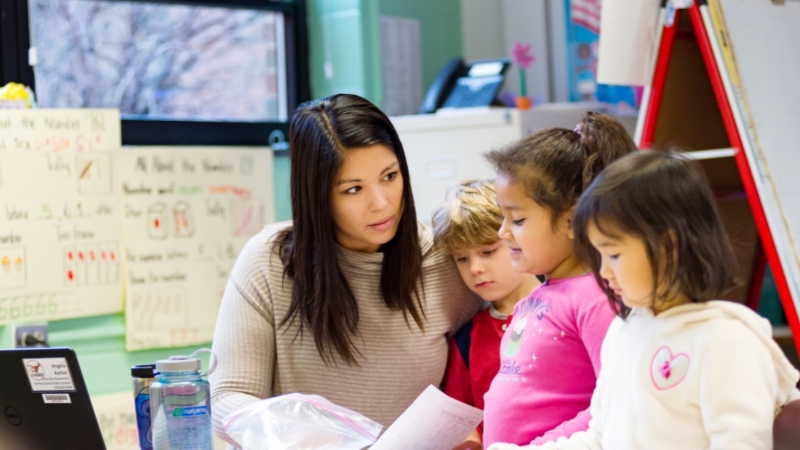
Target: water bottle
180,404
143,376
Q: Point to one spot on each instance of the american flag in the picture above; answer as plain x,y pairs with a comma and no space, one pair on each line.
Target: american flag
586,13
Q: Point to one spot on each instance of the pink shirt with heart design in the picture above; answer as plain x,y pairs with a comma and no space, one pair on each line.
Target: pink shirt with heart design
549,361
696,376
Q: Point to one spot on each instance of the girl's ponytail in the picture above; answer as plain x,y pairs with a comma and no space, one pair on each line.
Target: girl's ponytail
604,140
556,165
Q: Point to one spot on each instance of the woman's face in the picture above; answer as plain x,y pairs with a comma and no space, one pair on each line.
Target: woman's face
367,198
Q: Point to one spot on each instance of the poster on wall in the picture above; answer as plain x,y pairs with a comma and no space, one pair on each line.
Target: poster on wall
583,36
60,227
186,216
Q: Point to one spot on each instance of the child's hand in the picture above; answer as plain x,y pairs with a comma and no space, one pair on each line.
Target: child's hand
469,445
473,442
551,445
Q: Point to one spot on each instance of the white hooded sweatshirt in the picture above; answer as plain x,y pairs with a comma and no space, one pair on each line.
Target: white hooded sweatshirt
697,376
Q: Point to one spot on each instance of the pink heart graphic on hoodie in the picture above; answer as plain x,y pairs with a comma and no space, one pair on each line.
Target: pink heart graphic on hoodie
667,371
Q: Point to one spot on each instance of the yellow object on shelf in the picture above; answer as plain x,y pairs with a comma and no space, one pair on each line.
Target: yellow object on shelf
16,96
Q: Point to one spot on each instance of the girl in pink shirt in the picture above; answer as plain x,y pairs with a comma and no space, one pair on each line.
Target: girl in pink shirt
550,354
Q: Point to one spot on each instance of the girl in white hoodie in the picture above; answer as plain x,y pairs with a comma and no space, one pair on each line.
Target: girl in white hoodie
679,369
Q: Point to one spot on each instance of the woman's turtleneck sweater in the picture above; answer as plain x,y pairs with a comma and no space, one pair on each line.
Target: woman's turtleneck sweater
258,358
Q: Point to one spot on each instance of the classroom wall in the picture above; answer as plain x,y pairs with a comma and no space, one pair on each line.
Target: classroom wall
480,21
491,28
441,31
345,41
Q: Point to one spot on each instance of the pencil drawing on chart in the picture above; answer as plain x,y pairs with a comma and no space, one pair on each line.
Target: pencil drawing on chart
157,221
158,310
94,174
183,220
13,268
91,264
248,217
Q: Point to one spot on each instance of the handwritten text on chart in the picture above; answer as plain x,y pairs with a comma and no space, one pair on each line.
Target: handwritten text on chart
53,144
186,216
172,337
36,306
56,131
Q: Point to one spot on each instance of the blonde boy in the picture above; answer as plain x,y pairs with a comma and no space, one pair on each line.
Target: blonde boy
466,226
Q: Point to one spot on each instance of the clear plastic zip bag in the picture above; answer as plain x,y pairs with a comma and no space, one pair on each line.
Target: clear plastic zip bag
300,422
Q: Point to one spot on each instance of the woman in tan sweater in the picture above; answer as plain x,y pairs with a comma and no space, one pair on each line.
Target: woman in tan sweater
349,300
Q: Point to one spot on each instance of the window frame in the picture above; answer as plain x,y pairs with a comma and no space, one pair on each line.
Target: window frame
15,42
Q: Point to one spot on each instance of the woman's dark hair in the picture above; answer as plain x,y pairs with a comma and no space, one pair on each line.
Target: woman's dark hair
320,134
556,165
665,200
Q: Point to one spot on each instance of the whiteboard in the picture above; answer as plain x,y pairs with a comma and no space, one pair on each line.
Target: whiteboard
763,77
187,213
60,226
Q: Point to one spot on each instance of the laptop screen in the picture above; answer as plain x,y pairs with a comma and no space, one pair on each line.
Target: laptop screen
44,402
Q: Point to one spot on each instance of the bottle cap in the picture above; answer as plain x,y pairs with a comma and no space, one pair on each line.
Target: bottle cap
178,364
186,363
143,371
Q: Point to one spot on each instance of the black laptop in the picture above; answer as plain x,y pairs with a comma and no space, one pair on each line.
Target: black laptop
44,402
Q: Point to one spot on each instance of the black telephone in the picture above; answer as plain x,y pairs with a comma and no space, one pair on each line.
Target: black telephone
461,86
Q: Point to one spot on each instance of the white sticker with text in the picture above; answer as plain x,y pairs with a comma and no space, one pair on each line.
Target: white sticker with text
49,374
56,398
681,4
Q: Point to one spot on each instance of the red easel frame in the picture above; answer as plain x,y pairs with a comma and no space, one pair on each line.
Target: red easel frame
768,252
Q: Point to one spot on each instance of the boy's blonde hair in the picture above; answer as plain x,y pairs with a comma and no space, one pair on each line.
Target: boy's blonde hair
468,218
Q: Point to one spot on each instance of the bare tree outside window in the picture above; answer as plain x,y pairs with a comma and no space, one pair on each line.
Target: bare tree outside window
159,61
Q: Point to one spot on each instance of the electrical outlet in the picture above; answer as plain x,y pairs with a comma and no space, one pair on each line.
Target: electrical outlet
27,336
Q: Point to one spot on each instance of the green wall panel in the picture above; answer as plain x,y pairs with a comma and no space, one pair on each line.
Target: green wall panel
440,29
335,36
283,203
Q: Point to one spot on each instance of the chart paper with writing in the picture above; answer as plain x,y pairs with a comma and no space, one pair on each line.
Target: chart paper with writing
60,223
186,214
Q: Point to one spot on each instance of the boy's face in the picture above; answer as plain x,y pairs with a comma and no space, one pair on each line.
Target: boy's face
538,246
487,271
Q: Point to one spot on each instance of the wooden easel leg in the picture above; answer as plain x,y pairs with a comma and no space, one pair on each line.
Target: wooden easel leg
757,281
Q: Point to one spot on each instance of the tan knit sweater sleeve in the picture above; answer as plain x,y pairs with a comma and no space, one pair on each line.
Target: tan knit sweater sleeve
244,339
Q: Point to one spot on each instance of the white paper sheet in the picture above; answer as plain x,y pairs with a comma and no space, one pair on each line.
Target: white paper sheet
627,35
187,215
116,414
60,224
433,422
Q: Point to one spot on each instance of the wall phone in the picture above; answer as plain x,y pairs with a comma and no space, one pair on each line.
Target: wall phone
460,85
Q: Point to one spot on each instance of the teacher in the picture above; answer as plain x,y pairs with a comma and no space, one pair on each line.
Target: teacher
350,300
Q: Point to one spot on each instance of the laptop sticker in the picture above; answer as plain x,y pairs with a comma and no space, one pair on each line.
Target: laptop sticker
48,374
56,398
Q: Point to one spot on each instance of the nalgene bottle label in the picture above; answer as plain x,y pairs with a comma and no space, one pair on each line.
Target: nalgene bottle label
193,411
